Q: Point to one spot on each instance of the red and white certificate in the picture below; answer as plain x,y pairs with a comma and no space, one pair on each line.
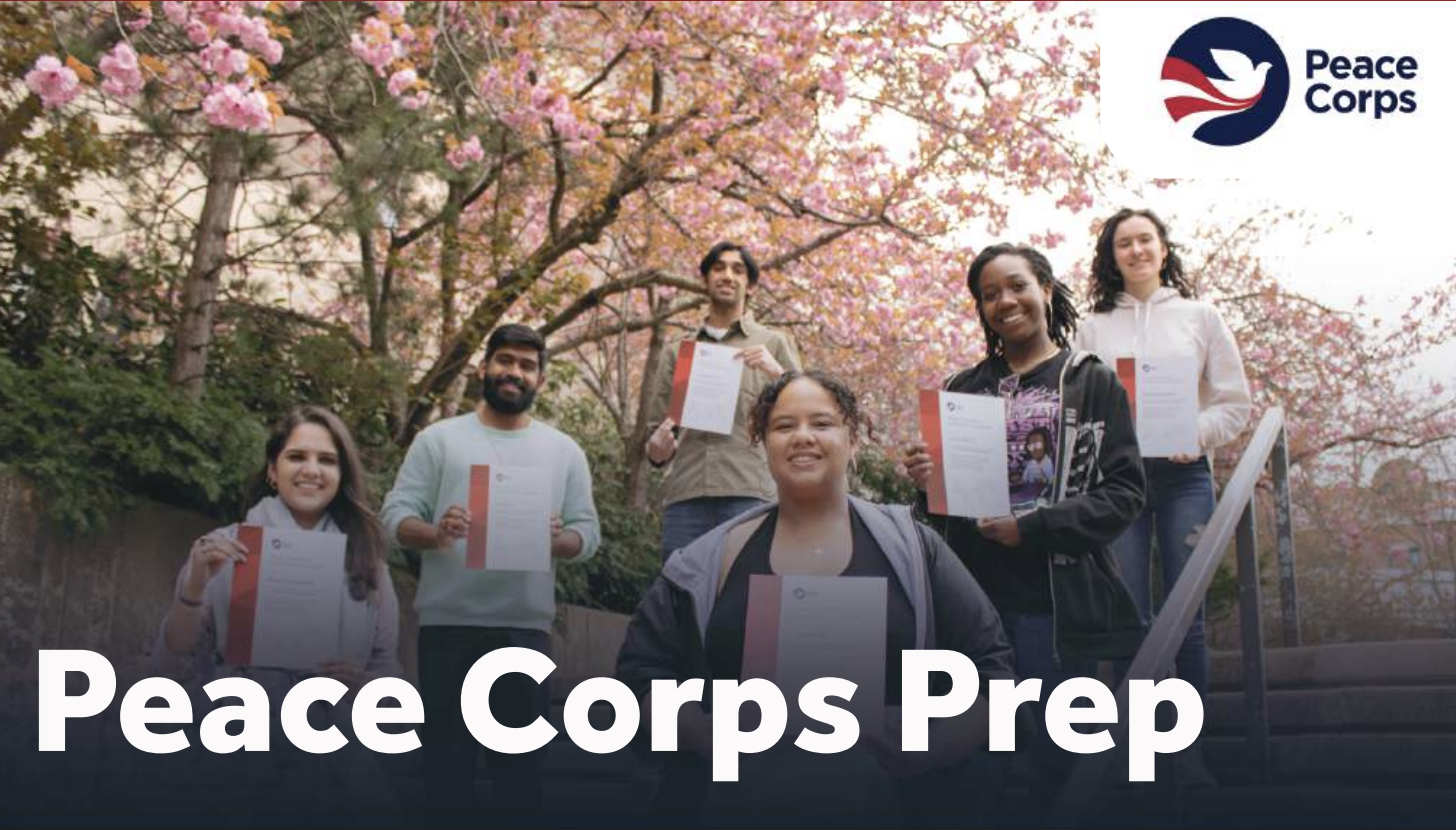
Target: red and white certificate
286,599
510,518
705,383
1163,393
800,628
966,437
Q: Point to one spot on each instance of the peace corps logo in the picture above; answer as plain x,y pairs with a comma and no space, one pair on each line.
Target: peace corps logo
1228,79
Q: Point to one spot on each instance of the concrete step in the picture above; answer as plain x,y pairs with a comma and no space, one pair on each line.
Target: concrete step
1319,807
1409,662
1378,760
1428,709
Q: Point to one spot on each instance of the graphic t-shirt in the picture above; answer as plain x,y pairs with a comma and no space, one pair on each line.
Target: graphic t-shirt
1016,579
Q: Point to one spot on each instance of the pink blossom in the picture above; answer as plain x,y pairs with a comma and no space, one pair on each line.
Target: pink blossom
222,60
375,47
198,33
142,20
833,83
1045,6
465,154
55,83
271,51
177,13
231,23
292,6
393,9
123,74
402,81
414,102
253,33
237,107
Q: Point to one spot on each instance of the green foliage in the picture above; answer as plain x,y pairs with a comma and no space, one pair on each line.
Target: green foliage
88,415
94,436
877,479
616,578
59,296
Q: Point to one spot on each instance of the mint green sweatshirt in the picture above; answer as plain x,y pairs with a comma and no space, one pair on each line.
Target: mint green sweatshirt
436,474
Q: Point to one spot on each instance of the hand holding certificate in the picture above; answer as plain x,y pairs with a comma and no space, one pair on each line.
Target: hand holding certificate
801,628
1163,392
966,438
510,519
286,599
705,385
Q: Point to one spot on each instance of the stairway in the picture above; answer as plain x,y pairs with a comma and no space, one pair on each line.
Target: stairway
1360,734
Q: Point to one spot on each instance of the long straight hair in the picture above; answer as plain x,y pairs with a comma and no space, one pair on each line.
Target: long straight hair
350,508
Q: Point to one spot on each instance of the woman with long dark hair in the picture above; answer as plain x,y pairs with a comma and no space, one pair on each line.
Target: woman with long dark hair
312,480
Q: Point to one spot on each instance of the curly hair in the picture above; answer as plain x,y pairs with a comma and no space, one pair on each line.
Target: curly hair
845,400
1107,280
1061,311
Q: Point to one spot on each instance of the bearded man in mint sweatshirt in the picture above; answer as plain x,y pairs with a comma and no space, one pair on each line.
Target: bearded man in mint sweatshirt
466,613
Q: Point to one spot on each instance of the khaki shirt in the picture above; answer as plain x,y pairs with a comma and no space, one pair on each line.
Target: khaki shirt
709,464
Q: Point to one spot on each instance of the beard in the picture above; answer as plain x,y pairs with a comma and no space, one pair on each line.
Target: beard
494,390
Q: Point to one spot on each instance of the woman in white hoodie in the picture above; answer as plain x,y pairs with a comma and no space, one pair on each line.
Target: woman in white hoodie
1143,306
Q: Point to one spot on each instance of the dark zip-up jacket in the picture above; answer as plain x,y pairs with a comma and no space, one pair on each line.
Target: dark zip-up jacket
666,637
1099,490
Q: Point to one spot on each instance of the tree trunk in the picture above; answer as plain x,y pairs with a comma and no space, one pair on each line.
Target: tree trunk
450,257
209,255
635,453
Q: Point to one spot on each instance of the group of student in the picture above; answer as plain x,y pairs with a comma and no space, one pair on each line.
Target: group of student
1042,593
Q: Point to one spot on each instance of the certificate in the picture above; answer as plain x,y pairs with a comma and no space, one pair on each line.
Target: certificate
801,628
705,384
1163,392
285,607
966,437
510,519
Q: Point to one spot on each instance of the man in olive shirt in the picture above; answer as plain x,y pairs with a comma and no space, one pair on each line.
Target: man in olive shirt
716,477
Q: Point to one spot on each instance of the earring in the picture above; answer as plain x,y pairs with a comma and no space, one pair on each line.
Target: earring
273,484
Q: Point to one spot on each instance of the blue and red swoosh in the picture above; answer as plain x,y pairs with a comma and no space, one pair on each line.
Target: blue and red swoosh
1177,69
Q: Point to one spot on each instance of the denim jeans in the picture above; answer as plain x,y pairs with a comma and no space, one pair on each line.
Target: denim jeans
1180,503
1033,638
685,521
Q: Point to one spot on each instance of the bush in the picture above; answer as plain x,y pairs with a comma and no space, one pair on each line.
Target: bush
94,437
617,577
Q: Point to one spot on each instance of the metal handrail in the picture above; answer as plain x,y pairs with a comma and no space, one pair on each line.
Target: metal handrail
1233,519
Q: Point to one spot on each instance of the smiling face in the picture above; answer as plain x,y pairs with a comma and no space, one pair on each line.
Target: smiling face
1139,252
808,442
727,281
307,473
1012,302
509,379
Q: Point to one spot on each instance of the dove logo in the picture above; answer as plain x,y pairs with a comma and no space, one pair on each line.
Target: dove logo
1226,81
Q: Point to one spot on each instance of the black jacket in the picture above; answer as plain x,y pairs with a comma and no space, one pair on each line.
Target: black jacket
1098,492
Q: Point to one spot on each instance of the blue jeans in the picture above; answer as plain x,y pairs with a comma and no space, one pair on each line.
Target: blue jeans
1033,638
685,521
1180,503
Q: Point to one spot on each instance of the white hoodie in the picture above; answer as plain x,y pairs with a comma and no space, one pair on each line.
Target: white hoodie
1169,325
